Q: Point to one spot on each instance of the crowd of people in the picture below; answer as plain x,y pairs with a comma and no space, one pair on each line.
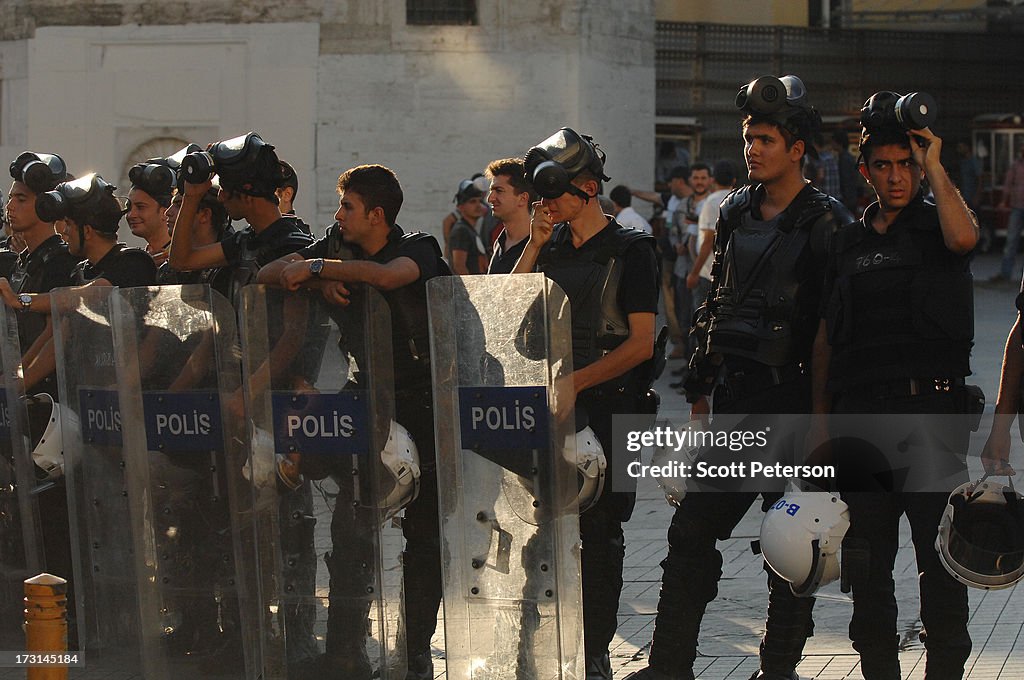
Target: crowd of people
778,300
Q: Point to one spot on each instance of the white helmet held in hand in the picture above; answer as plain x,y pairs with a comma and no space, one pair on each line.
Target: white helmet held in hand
800,538
591,465
46,420
981,535
401,458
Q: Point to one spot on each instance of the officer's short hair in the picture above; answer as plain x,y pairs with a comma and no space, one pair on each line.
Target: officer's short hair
621,196
515,171
377,186
883,136
290,178
756,119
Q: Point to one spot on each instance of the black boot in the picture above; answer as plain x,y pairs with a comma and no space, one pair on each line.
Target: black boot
421,667
599,667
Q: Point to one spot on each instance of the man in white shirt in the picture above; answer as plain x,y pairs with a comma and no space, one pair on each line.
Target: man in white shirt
624,213
723,181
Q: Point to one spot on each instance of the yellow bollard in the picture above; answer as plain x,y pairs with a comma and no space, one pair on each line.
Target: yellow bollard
46,625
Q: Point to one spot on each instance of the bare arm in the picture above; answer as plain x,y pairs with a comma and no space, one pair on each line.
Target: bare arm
821,355
649,196
43,365
394,274
459,267
541,228
636,349
270,274
184,255
996,454
959,227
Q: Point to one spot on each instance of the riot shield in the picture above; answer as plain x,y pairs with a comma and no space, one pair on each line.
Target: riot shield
319,389
507,477
21,552
179,385
107,608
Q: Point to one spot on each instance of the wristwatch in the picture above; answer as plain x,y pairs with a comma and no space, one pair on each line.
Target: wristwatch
26,301
316,266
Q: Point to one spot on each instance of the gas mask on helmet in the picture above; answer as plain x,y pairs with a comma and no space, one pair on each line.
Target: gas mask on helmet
554,163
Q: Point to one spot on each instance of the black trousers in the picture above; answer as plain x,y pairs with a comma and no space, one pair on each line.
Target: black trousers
604,545
874,525
421,561
693,566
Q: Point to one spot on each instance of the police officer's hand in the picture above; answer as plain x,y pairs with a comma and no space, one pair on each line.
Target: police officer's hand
692,279
995,457
700,410
563,397
925,146
8,294
335,292
198,190
541,225
295,274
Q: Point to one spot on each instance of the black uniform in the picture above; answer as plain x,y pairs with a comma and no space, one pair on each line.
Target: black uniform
122,266
47,267
900,319
246,250
599,324
760,318
414,410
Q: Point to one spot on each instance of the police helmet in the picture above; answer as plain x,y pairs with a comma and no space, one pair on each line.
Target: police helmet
800,538
401,459
784,101
587,454
553,164
47,420
981,535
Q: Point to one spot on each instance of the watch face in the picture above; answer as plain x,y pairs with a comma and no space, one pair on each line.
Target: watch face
316,266
25,299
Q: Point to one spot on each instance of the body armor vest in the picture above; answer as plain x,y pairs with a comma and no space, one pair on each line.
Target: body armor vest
768,277
591,280
907,290
47,251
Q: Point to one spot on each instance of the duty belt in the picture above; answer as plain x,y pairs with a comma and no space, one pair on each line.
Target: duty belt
907,387
740,384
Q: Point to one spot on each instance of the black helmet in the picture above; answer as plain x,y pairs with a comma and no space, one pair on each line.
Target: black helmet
784,101
39,171
553,164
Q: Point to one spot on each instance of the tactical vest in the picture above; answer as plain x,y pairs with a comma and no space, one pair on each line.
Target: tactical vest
47,251
907,290
591,280
410,325
78,274
764,304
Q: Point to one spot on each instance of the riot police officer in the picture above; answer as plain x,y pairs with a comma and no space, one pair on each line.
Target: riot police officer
754,335
575,244
45,263
250,174
896,339
366,245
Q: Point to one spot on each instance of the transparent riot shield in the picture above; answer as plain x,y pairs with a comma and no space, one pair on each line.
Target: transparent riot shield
21,551
106,597
506,471
182,407
328,477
